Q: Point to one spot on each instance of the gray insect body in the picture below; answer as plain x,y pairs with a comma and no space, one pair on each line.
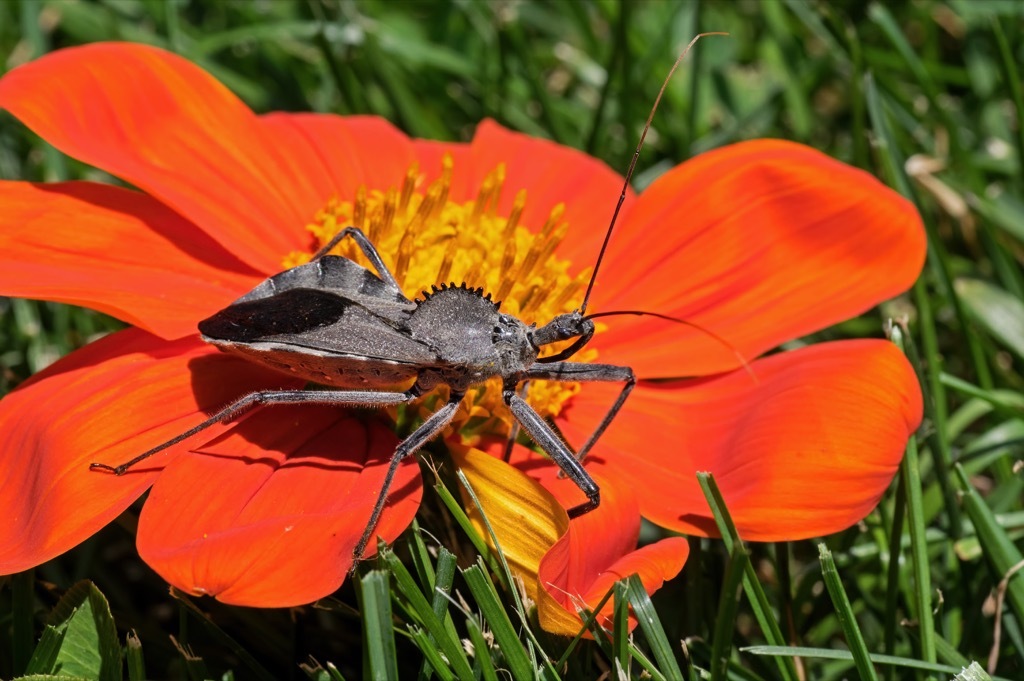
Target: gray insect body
337,324
307,322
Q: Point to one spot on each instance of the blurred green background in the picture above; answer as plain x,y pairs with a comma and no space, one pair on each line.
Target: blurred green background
926,95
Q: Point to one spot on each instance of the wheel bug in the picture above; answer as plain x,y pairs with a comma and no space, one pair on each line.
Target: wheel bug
354,332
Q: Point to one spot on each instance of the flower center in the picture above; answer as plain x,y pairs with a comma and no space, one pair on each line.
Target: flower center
425,238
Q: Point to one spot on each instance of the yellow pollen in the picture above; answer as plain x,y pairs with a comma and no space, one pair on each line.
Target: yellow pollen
428,239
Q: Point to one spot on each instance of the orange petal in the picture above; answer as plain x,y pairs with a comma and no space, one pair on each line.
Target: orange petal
564,565
551,174
116,251
759,242
806,451
598,550
107,402
269,514
341,153
163,124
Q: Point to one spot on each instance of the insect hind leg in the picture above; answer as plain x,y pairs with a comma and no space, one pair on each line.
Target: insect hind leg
368,249
434,424
556,449
343,398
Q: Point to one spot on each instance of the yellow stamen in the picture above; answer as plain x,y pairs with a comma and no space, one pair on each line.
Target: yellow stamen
426,238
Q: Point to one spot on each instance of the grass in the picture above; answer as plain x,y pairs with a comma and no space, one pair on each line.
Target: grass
925,95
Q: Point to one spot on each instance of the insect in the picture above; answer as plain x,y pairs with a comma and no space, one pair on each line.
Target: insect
354,332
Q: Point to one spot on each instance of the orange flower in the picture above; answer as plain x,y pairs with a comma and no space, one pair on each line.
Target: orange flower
761,242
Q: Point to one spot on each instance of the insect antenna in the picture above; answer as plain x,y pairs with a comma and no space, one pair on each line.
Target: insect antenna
632,167
693,325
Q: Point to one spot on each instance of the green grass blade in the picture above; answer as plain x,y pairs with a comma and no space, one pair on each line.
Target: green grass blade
424,612
910,475
620,626
653,631
844,611
884,19
421,559
997,546
461,519
892,582
432,654
378,632
501,626
1011,77
591,624
751,584
938,257
133,656
725,619
481,651
832,654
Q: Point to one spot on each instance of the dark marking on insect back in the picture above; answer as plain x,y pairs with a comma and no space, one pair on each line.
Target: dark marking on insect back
290,312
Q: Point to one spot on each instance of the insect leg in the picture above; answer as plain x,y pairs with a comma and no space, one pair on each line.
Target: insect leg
268,397
556,449
368,249
513,432
419,437
581,371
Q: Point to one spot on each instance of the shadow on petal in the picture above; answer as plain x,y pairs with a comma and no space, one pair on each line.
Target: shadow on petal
268,514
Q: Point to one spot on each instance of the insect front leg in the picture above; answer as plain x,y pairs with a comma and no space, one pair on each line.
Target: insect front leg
581,371
419,437
368,249
341,398
556,449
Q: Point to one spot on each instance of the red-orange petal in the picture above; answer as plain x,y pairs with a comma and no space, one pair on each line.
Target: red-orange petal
116,251
269,514
342,153
551,174
163,124
759,242
805,451
107,403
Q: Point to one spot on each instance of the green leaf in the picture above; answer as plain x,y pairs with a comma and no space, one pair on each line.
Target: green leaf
80,638
997,311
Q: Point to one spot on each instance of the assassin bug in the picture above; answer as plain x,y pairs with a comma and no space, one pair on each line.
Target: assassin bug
353,331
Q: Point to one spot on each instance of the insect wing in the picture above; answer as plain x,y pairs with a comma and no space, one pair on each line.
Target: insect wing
317,322
337,275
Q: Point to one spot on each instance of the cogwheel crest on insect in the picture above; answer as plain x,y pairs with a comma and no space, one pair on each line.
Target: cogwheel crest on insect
452,286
